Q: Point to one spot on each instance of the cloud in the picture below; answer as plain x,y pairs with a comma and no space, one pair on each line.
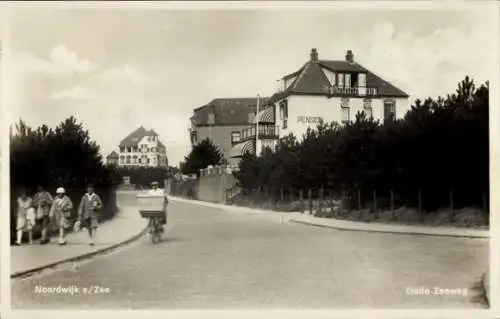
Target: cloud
61,61
128,74
73,93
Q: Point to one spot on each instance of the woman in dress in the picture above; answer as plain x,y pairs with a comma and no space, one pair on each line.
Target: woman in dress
25,217
61,212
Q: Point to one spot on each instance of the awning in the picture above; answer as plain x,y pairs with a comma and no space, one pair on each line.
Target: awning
265,116
240,149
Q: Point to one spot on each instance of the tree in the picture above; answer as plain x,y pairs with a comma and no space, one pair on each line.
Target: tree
202,155
65,156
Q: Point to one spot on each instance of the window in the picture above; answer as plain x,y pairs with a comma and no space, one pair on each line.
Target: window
235,137
347,80
122,160
341,80
251,117
122,149
128,159
389,109
344,105
284,108
362,80
211,119
129,149
345,115
367,108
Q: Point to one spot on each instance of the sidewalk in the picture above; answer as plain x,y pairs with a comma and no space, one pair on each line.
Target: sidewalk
125,227
306,219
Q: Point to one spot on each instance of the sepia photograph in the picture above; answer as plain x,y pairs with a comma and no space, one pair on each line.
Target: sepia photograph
259,158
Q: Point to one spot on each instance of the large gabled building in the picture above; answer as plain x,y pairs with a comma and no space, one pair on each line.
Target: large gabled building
141,148
323,91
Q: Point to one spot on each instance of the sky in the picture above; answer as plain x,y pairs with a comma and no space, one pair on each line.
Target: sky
115,70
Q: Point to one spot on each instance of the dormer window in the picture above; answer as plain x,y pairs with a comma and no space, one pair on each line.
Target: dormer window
362,80
251,117
347,80
211,119
341,80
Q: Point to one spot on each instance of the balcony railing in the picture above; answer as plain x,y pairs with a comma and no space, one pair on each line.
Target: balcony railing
351,91
269,132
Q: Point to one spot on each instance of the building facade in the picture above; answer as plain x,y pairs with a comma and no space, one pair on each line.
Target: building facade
323,91
222,121
141,148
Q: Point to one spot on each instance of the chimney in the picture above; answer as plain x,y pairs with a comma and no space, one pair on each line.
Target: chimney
314,55
349,57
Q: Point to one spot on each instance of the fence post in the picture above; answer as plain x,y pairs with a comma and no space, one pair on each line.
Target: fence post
266,197
485,209
321,201
451,205
392,206
422,219
375,201
332,204
348,201
309,195
359,199
291,195
301,199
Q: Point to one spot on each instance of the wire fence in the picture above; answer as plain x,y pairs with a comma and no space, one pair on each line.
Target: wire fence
372,205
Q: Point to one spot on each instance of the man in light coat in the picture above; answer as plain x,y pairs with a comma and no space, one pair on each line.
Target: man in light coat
89,211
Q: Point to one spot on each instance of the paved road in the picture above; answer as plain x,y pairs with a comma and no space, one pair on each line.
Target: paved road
218,259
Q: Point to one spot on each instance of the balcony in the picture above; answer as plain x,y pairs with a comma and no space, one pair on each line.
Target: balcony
266,132
350,91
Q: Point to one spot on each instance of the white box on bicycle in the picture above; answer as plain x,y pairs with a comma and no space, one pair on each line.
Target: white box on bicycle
150,204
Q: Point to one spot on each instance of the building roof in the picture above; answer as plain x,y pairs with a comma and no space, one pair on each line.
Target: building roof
133,138
112,155
310,79
228,111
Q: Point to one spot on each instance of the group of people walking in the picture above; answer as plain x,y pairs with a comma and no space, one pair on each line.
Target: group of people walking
55,213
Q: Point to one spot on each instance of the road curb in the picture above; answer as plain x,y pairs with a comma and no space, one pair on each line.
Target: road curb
30,272
389,231
255,211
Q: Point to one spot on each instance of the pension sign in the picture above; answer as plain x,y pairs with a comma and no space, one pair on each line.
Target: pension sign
309,119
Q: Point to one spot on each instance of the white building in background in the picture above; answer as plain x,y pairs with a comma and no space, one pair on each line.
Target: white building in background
140,148
322,91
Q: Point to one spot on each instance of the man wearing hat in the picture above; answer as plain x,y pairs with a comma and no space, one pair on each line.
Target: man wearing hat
60,213
88,212
158,191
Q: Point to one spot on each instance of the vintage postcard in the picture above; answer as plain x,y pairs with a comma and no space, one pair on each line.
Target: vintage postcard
251,156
